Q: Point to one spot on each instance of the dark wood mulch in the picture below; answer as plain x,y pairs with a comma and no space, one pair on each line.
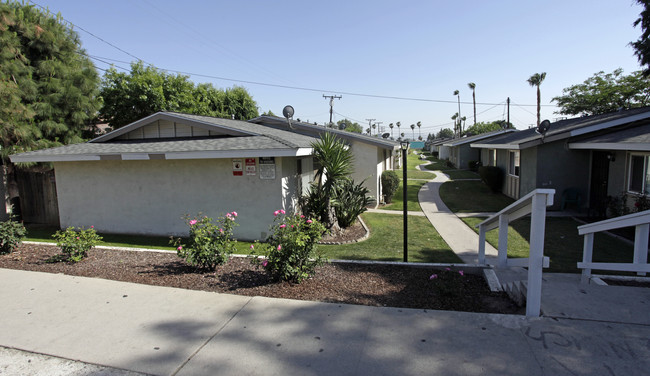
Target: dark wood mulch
372,285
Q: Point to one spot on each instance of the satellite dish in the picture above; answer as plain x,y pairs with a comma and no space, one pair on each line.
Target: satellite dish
543,127
287,111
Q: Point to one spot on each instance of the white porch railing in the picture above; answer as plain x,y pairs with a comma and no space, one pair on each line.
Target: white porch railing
641,223
535,204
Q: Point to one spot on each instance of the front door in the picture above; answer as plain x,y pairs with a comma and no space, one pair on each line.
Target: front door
598,187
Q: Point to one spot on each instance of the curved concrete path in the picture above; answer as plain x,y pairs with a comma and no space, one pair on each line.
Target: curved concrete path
460,238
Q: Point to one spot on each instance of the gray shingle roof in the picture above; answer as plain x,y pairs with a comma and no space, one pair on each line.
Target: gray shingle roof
632,139
244,136
311,129
567,128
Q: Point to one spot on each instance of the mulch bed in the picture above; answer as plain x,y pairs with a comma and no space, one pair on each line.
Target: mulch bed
372,285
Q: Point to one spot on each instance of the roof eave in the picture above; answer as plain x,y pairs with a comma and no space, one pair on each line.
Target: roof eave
212,154
610,146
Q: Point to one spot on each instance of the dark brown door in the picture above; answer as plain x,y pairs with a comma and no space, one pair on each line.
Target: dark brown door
598,187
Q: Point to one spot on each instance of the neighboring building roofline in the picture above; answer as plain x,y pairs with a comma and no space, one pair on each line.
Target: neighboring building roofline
278,121
610,146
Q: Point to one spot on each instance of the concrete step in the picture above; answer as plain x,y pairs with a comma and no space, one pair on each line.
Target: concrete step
517,291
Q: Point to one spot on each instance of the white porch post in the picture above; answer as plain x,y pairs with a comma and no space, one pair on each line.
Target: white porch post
481,245
536,256
641,245
504,221
587,256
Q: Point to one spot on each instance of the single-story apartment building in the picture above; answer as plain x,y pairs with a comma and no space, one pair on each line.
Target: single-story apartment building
144,177
460,152
571,156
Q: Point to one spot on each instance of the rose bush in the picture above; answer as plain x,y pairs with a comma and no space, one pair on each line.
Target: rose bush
291,249
208,244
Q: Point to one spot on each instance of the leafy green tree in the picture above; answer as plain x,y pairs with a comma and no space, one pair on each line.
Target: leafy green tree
482,127
603,93
642,45
536,80
268,113
146,90
347,125
445,133
48,87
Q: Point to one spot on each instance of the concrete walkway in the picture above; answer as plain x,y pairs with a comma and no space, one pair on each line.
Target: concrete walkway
66,325
460,238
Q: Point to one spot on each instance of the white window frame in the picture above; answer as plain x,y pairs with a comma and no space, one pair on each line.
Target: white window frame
645,189
511,165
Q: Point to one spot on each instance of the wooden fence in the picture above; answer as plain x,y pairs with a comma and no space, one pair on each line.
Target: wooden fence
38,200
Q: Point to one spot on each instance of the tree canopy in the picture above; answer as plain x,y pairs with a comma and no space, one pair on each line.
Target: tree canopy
642,45
349,126
482,127
445,133
48,87
146,90
605,92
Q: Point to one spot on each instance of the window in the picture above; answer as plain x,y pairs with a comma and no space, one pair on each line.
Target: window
513,166
492,157
639,176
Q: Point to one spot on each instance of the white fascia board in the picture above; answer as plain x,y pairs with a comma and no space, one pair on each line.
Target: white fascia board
609,124
610,146
239,154
497,146
300,152
53,158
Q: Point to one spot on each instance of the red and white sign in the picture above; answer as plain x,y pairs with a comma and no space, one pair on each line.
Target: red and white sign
251,167
237,167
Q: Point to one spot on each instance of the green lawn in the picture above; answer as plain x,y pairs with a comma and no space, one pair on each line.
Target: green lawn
412,189
436,165
472,196
562,244
461,174
385,242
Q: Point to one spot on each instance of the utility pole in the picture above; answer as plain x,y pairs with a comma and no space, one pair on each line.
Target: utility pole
331,97
370,124
508,123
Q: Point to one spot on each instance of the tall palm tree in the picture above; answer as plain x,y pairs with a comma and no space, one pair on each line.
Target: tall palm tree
455,124
391,129
457,93
536,80
419,124
413,130
473,87
399,124
374,126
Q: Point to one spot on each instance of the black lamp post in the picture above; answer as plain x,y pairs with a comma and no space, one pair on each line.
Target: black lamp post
405,147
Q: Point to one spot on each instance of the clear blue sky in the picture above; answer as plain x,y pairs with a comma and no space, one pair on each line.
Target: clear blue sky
411,49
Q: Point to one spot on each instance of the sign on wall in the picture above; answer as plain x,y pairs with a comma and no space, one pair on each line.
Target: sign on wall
267,167
251,168
237,167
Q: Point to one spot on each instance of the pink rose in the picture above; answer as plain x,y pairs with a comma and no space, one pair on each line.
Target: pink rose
180,247
234,214
193,222
282,211
275,213
279,247
283,225
92,226
309,221
264,263
433,276
302,216
461,272
252,247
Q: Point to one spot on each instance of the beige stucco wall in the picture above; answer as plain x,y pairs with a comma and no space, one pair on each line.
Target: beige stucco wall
368,161
150,197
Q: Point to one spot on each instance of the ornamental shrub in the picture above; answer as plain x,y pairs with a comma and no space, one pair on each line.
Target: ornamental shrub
291,248
12,234
492,176
209,244
350,200
75,244
474,165
389,184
